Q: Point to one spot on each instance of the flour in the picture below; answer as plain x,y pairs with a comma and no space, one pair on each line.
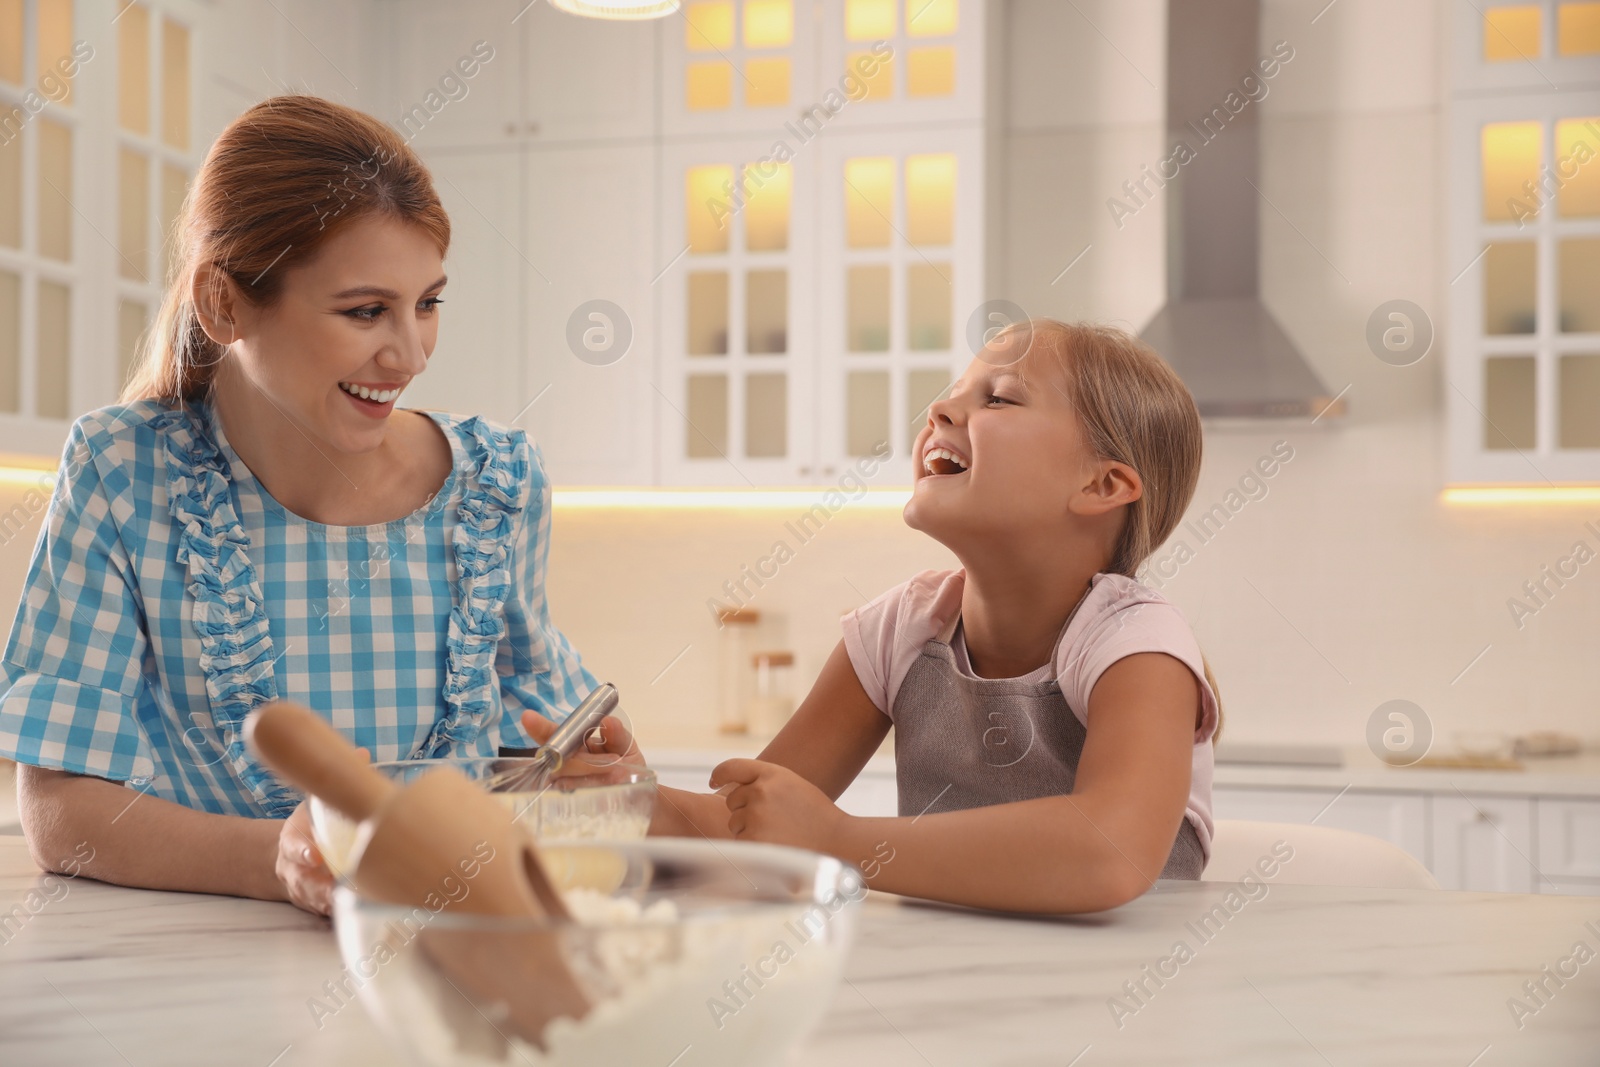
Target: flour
652,971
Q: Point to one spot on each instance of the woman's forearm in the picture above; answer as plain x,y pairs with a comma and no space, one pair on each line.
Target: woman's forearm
89,826
1052,855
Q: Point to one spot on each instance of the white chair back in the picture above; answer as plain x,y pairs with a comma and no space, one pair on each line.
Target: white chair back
1319,856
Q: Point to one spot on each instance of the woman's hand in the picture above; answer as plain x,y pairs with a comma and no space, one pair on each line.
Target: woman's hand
768,802
300,867
609,743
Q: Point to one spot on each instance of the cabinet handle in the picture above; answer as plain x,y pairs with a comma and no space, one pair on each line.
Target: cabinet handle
827,472
511,129
530,128
1484,816
805,472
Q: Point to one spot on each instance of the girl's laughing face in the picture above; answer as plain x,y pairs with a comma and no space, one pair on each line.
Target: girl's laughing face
1002,455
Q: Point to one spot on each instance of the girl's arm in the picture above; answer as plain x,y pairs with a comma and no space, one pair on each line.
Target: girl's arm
1095,849
829,739
76,824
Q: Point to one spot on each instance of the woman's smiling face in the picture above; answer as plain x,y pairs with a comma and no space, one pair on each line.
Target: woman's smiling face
1002,454
359,317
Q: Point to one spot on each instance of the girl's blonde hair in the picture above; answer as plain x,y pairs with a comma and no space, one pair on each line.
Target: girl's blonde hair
283,178
1134,409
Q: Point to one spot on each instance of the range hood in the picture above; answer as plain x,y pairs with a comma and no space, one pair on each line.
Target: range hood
1215,331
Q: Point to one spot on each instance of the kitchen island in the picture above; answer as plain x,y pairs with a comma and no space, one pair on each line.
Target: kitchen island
97,974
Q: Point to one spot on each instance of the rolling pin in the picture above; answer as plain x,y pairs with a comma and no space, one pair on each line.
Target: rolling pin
415,840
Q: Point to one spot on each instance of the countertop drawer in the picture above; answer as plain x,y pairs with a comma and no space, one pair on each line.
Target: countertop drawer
1569,838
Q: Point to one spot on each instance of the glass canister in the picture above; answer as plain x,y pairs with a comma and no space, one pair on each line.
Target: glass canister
772,700
736,628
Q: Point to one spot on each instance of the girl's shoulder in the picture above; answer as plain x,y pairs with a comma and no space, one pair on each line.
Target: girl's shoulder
1117,612
1120,617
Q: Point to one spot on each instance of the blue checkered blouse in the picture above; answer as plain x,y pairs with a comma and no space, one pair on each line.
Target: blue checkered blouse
169,594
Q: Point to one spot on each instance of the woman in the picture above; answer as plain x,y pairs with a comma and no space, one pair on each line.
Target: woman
258,520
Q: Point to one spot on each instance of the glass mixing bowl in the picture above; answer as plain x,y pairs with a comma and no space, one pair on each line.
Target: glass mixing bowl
584,802
690,952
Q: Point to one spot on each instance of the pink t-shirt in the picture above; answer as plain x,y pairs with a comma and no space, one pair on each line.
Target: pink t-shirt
1119,617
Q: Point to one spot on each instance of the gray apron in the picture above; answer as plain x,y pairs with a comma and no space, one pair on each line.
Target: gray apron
962,742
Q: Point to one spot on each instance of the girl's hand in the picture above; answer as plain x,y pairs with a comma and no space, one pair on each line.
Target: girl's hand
768,802
305,877
609,743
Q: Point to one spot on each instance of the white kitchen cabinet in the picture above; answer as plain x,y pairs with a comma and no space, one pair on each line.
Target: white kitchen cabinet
738,333
1484,843
536,233
739,67
938,58
587,79
901,239
475,366
1569,839
427,41
588,212
1399,818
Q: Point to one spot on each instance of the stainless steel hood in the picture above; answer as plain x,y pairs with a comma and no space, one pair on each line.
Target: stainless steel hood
1215,331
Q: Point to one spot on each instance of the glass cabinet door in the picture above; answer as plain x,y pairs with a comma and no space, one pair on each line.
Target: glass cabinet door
900,252
738,342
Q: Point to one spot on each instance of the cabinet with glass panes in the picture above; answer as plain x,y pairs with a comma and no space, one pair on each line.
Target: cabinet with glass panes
1524,397
827,221
88,89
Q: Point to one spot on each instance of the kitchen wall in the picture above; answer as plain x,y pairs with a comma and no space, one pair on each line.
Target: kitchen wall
1348,584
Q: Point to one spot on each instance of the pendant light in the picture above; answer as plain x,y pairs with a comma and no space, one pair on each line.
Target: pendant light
617,9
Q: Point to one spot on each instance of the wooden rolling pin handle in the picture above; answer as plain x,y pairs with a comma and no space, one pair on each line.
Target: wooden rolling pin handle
304,750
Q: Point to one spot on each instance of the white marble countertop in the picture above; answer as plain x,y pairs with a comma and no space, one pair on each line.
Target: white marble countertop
95,974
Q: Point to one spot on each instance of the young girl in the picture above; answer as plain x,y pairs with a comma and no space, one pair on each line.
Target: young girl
1053,717
259,520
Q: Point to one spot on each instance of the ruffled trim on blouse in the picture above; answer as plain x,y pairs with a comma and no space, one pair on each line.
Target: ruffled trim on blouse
229,613
498,493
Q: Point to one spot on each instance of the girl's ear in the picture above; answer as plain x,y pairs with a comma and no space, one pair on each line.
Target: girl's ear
1110,486
214,304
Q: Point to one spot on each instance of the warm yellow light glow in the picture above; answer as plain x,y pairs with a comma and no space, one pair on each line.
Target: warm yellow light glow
1522,494
930,199
709,208
1578,166
879,83
869,201
768,23
55,40
708,26
767,189
40,478
766,82
931,71
1511,33
133,68
723,499
1511,155
1578,30
869,20
708,86
930,18
11,41
619,10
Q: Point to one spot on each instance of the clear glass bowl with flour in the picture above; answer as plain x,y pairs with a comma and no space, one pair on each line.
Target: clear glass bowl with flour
586,801
688,952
